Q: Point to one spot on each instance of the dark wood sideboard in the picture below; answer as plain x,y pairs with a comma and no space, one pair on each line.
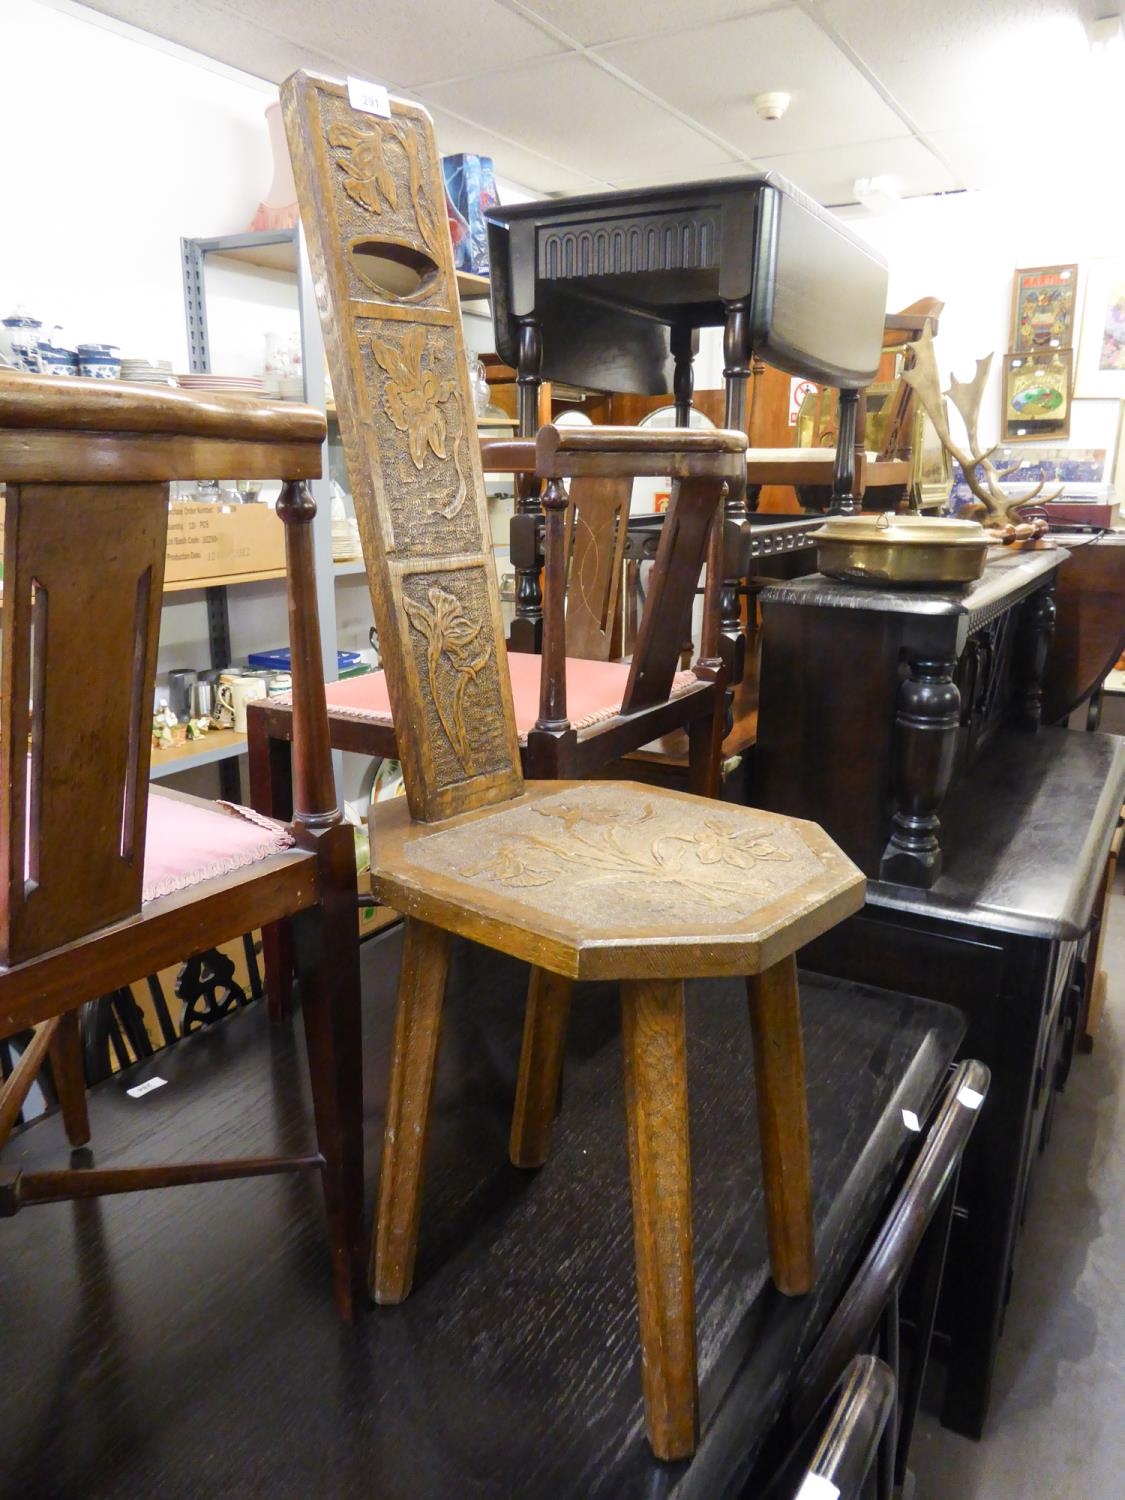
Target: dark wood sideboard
907,725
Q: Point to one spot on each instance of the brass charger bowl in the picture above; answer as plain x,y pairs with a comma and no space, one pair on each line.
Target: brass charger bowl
901,550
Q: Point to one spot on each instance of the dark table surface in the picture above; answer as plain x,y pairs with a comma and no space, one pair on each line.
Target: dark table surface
183,1343
1025,836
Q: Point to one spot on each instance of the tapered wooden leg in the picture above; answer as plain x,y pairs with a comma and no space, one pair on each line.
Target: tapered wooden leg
271,792
652,1026
70,1078
421,991
541,1061
783,1126
326,947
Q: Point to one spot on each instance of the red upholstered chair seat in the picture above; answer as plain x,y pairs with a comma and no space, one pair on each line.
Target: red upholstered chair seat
188,842
594,690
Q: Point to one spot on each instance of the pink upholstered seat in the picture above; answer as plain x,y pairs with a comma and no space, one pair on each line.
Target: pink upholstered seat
594,690
187,843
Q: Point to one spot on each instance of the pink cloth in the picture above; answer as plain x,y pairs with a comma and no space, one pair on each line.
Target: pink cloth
594,690
186,844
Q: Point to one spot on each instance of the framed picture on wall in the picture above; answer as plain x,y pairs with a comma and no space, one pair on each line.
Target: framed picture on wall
1037,390
1044,300
1101,353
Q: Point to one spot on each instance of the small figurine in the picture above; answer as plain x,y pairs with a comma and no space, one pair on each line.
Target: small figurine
163,722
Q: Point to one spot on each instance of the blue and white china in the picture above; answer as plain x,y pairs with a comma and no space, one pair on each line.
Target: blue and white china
55,360
22,332
99,361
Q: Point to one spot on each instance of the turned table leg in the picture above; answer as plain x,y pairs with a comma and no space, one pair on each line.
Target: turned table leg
783,1126
925,743
541,1062
421,991
527,627
652,1016
736,374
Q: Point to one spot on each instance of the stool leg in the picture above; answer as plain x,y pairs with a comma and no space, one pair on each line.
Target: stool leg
421,991
541,1061
652,1017
783,1125
70,1078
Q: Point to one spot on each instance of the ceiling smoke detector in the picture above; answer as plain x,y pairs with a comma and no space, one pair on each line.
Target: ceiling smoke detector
771,106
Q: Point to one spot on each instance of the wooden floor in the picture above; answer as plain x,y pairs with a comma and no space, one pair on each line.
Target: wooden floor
183,1344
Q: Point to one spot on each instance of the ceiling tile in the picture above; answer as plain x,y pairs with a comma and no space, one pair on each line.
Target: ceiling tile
829,175
409,43
396,41
593,21
205,27
657,176
714,73
567,107
965,63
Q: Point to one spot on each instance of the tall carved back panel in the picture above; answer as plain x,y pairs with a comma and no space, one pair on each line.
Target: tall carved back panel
373,206
83,576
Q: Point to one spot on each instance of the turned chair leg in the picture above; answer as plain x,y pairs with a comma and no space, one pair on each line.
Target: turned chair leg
70,1078
541,1062
652,1017
783,1125
705,755
271,792
327,956
421,991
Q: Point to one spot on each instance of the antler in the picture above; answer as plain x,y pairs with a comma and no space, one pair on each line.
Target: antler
966,397
926,381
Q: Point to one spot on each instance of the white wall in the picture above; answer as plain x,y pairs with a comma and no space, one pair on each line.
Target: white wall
965,248
112,150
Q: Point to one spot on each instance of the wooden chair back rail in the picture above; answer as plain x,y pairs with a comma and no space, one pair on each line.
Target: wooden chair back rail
84,571
398,367
597,528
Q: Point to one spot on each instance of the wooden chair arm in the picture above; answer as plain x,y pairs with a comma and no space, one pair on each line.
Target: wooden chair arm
569,452
37,401
847,1448
889,1258
508,455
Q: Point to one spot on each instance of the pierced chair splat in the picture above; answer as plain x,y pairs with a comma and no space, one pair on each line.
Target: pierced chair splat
610,880
104,880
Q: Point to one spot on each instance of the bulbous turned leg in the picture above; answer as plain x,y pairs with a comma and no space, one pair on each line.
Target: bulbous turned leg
925,743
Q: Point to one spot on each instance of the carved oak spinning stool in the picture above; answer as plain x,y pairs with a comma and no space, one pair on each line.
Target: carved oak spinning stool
582,880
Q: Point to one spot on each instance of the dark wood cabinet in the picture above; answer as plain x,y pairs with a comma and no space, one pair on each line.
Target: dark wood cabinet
993,914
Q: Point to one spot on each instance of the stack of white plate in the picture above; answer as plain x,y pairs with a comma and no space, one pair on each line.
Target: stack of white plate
148,371
241,385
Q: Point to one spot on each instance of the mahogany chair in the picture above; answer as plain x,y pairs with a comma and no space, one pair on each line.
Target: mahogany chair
104,879
605,880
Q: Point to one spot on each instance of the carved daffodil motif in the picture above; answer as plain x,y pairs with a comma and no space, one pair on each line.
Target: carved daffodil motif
715,845
413,394
589,841
368,179
450,640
